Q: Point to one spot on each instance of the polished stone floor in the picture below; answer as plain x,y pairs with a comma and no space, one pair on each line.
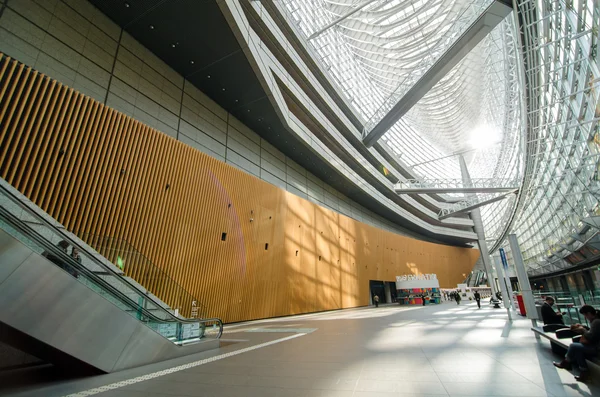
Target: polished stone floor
443,350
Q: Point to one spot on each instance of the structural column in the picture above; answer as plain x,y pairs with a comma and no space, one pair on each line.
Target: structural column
478,226
504,264
523,279
503,287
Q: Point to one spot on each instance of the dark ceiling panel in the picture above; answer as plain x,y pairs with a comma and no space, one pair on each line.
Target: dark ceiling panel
187,34
124,12
260,116
231,82
197,29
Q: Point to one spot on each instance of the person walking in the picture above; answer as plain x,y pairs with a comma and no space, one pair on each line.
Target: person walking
423,297
457,298
376,300
477,297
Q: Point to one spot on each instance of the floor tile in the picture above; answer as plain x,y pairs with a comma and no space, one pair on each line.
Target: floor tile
391,351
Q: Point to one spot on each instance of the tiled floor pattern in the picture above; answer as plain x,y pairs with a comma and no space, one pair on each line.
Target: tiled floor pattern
443,350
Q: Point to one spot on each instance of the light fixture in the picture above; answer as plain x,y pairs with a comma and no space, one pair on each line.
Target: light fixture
151,27
208,77
173,45
126,5
192,62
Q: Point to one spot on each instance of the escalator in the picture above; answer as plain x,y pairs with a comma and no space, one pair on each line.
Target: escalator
81,314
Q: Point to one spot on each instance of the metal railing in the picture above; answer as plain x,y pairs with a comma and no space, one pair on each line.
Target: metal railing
475,183
137,266
569,303
44,235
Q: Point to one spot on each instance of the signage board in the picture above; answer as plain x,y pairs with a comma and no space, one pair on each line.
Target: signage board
417,281
503,258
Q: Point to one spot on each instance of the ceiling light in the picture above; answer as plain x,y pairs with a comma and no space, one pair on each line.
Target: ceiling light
208,77
126,5
151,27
173,45
192,62
223,89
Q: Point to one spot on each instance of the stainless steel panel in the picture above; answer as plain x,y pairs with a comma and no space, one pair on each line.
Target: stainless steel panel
48,304
51,306
137,351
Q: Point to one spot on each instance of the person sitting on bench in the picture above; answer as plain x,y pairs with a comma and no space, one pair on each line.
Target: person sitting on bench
549,315
587,347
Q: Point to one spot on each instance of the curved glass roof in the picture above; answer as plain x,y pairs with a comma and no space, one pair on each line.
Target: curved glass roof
564,184
375,50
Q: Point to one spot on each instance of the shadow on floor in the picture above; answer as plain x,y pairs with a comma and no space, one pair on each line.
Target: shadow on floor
22,379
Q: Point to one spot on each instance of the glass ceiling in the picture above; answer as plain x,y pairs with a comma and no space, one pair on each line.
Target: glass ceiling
564,186
375,50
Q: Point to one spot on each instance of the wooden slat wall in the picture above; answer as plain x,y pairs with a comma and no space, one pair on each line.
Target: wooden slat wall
99,172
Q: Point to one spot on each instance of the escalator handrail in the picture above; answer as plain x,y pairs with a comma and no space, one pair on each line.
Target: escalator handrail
89,255
53,249
68,260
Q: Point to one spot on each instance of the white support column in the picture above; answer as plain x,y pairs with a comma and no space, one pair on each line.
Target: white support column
523,279
483,248
503,288
479,230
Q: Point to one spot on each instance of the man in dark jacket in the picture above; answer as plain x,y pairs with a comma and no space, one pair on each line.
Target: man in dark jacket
587,347
457,298
477,297
549,315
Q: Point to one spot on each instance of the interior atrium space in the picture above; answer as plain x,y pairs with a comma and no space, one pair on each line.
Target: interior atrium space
229,196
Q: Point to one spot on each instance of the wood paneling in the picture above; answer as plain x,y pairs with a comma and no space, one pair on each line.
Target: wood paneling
101,173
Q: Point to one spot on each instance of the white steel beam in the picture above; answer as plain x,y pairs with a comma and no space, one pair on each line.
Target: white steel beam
482,26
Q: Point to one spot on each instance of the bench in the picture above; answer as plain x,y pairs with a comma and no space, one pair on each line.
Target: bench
551,336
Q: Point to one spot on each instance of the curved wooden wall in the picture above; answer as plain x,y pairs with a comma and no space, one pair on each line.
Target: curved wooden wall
102,173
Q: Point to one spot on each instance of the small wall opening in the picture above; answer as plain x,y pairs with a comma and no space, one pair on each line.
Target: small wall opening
223,236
